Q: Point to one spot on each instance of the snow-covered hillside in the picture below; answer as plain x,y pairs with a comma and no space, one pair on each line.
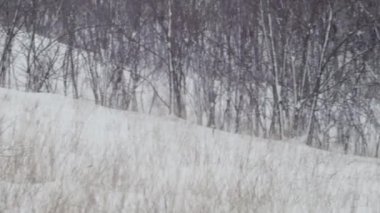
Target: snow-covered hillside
151,91
62,155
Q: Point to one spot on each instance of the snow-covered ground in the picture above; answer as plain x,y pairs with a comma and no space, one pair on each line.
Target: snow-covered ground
152,91
62,155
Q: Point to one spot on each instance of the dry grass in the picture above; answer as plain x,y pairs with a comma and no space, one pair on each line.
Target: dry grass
66,156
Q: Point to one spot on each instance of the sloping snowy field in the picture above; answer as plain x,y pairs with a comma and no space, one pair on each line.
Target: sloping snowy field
62,155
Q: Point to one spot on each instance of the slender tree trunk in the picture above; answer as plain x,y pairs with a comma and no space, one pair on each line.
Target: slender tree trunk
276,88
315,94
170,55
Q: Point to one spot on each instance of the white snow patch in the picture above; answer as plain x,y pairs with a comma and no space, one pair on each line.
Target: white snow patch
62,155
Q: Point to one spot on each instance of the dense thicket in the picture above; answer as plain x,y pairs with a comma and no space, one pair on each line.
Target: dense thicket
272,68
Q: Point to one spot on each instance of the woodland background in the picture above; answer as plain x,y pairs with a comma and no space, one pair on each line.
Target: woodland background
270,68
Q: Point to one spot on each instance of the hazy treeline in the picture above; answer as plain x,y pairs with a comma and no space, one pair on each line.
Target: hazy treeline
271,68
